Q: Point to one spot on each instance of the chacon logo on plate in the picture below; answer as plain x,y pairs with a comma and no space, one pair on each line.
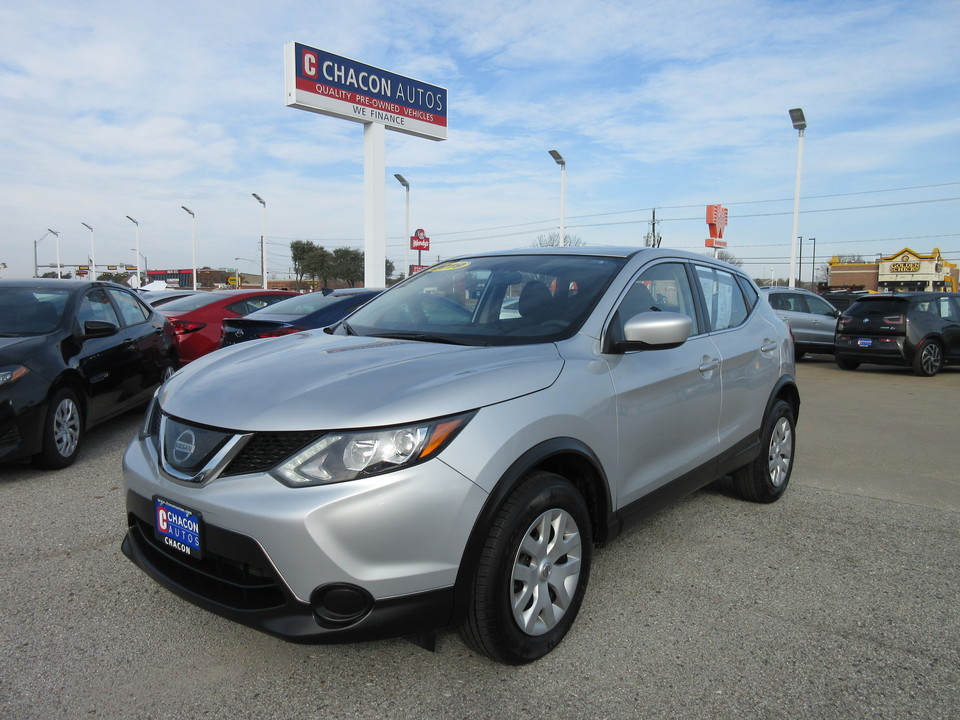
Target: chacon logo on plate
184,446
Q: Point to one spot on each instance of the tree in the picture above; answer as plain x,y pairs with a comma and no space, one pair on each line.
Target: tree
299,250
553,240
318,264
729,257
347,265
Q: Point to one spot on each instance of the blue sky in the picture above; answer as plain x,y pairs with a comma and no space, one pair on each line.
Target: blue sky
109,109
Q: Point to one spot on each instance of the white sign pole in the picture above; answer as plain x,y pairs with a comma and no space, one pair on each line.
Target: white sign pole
374,205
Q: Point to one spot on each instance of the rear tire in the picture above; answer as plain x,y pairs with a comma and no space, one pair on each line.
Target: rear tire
533,572
62,431
845,364
765,479
929,359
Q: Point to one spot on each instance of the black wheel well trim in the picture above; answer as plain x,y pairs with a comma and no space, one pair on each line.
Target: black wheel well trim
73,382
786,390
565,456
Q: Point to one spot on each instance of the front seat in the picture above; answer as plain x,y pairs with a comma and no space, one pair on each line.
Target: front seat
534,302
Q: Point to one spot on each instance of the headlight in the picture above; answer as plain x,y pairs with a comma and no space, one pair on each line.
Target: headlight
11,374
338,457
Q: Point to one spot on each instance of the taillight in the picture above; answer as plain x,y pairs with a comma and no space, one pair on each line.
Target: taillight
893,320
182,327
278,332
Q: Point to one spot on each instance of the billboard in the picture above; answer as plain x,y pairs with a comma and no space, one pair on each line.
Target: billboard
328,84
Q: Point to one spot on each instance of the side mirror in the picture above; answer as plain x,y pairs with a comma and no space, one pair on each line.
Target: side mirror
99,328
655,331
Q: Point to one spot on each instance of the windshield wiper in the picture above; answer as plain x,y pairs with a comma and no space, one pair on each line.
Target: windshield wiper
419,336
344,324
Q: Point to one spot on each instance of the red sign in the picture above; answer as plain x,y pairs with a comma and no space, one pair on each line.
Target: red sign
717,216
420,241
417,268
714,243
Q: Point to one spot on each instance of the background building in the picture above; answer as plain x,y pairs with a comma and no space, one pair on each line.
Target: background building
906,270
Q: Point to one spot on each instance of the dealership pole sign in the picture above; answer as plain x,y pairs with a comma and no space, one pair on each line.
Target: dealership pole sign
328,84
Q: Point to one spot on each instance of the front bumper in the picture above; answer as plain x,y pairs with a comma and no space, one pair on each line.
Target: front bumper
355,561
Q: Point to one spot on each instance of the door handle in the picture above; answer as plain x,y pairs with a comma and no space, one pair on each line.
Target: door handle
709,364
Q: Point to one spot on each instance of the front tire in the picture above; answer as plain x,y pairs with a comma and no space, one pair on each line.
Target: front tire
929,359
765,479
62,431
533,572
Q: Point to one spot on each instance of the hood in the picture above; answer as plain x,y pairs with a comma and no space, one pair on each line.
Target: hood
18,349
312,381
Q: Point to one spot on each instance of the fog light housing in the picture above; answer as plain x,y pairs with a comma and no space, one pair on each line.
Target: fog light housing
340,605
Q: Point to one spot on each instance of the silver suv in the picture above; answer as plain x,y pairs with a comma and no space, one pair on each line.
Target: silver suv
812,319
450,454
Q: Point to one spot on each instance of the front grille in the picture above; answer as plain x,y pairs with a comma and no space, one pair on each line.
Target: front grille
242,585
267,449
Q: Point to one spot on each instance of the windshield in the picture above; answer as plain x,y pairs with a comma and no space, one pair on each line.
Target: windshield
502,300
30,311
189,302
303,304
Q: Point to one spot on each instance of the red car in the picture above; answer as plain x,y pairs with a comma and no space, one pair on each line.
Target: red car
196,318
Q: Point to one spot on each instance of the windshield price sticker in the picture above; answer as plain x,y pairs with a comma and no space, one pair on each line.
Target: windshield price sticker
177,527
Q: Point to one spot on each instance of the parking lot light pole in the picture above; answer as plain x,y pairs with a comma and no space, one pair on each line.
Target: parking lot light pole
193,223
799,124
93,254
137,248
558,158
406,227
36,260
263,242
58,250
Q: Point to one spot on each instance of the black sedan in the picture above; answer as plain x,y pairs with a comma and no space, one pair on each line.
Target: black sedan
303,312
73,353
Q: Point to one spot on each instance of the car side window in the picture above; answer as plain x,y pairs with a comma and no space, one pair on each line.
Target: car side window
818,306
726,306
131,309
95,305
661,288
948,309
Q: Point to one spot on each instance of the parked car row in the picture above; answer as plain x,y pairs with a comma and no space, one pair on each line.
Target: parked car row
920,330
75,353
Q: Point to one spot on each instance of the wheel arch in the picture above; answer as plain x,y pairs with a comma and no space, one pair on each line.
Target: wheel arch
567,457
72,380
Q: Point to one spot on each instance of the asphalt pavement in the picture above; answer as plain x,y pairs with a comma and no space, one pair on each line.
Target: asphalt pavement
839,601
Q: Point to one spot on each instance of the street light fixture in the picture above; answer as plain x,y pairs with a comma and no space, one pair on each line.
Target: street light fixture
93,254
137,248
193,223
799,124
558,158
406,227
263,241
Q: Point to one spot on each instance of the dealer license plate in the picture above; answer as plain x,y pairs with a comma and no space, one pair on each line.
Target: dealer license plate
865,342
178,527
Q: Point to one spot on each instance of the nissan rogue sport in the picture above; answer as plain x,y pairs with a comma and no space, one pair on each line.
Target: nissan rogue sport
450,454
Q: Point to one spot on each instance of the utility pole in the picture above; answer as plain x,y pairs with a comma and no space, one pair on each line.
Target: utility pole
652,238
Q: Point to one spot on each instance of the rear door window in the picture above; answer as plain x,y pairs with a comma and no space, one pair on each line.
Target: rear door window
726,306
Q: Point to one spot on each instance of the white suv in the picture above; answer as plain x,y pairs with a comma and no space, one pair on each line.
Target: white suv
450,454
